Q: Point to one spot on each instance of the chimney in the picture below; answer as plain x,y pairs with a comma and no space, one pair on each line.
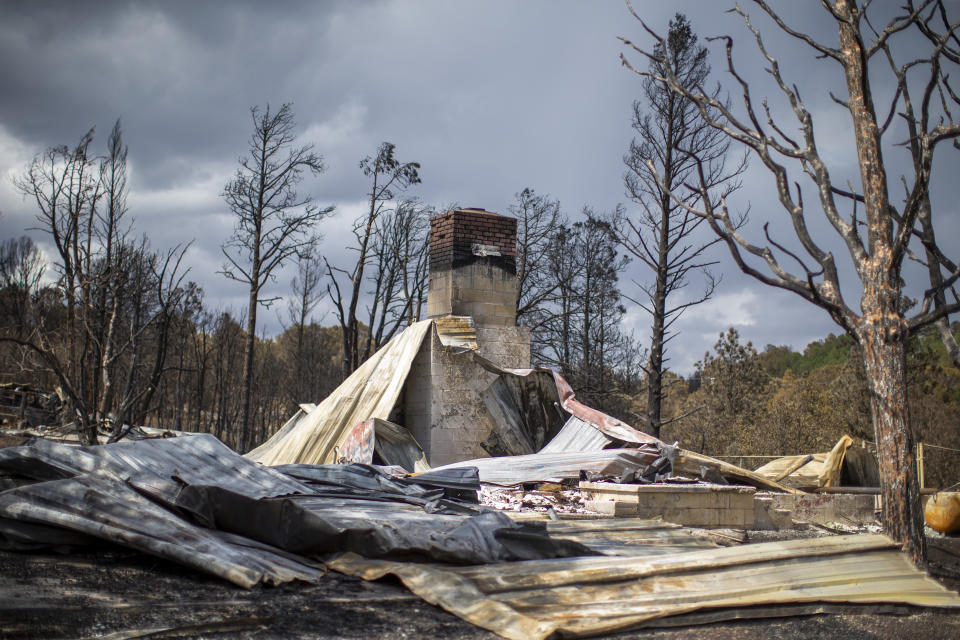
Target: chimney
473,270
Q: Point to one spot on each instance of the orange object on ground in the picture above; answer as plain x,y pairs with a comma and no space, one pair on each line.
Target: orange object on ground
942,512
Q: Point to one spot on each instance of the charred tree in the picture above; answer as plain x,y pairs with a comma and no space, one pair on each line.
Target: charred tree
306,296
388,176
21,268
398,278
538,219
273,222
577,329
877,232
671,139
108,353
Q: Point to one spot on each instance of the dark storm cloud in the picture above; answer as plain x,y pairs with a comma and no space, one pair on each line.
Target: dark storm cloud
490,97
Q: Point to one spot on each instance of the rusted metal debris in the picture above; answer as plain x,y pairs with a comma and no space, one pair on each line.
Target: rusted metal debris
591,596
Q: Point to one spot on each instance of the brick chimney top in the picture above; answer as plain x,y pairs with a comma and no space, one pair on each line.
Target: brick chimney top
473,267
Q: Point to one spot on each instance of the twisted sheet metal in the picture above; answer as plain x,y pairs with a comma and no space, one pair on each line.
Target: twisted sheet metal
194,501
369,392
103,506
591,596
577,435
555,467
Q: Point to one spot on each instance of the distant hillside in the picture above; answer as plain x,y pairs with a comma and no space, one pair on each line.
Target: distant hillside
834,349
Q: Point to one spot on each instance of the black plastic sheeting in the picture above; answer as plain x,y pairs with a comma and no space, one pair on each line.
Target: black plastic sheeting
450,492
194,501
104,508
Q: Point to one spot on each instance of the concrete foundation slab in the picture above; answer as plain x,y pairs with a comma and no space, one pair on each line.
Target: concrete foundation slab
724,507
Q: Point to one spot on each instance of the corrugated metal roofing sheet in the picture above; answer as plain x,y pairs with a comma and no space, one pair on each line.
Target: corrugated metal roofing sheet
182,498
629,536
577,435
590,596
369,392
150,495
554,467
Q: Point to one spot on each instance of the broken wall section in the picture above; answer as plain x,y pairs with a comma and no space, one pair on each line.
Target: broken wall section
443,405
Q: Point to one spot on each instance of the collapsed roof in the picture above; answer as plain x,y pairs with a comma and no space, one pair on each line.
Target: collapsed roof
540,431
194,501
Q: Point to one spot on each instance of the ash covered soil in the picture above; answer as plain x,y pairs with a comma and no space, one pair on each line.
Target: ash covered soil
114,593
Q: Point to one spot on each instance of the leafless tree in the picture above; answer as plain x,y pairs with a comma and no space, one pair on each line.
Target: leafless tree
664,236
114,266
877,237
187,320
398,277
154,290
576,329
538,219
21,268
274,222
306,296
118,293
933,259
62,183
388,176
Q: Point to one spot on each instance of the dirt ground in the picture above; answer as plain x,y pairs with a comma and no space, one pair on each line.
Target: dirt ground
118,594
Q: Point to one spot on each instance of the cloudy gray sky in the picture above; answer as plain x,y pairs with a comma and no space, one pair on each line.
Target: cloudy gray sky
490,97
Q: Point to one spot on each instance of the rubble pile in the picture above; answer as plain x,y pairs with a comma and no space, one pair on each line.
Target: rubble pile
545,499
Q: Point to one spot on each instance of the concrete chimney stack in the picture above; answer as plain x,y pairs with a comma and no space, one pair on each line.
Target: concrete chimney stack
473,296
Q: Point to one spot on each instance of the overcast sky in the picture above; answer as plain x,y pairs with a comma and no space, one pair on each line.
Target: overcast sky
490,97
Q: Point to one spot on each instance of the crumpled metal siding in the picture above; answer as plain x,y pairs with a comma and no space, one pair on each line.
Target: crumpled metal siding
577,435
528,406
181,499
369,392
609,425
526,409
555,467
543,389
394,444
591,596
103,506
163,464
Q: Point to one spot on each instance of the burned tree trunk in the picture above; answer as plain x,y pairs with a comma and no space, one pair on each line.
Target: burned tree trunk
658,303
274,223
877,236
884,357
882,329
673,140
